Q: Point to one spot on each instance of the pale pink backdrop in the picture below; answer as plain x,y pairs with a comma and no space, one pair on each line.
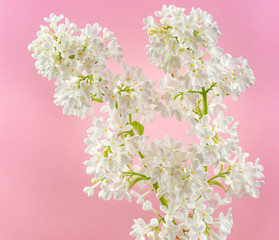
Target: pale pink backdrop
42,151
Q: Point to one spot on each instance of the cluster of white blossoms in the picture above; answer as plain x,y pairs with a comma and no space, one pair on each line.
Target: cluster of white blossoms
184,46
187,180
77,59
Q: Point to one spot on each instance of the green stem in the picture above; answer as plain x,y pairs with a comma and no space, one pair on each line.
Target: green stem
155,185
135,180
132,173
216,183
105,153
192,91
176,96
162,199
204,99
221,174
141,155
211,87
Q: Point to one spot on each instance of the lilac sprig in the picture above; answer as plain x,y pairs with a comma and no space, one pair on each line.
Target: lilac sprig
198,78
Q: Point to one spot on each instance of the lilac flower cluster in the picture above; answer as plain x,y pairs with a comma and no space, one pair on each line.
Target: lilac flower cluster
198,78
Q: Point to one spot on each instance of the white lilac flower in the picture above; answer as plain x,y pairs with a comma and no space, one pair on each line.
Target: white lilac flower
191,100
212,151
114,51
227,148
196,170
224,201
163,158
226,222
89,191
171,212
91,31
169,230
206,214
120,124
132,144
157,174
110,163
197,204
54,18
222,89
140,228
100,128
93,145
183,190
147,206
197,227
221,123
203,123
233,133
206,136
112,142
75,100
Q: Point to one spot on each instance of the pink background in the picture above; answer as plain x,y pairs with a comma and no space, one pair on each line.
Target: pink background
42,151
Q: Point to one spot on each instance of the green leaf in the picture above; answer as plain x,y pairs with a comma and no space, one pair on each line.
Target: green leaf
131,133
72,56
139,128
